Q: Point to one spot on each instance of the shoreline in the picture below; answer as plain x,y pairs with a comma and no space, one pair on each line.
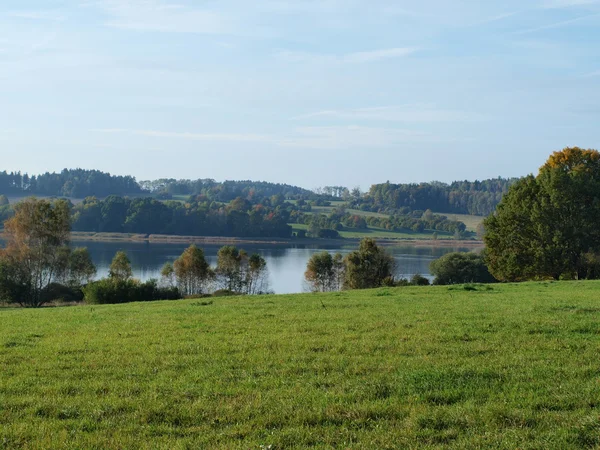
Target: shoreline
81,236
223,240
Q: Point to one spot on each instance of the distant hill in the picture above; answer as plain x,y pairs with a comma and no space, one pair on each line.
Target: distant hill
459,197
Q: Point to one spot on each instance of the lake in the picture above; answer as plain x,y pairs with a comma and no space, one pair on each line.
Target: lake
286,263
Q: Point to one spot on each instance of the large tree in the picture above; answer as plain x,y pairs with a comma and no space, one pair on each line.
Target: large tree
368,267
547,225
192,272
37,249
325,272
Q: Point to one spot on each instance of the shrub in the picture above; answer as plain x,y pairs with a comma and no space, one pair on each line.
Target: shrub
419,280
112,291
460,268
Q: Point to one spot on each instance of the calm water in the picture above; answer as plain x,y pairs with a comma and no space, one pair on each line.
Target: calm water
286,263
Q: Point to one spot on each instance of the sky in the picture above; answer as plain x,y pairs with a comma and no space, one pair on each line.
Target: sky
306,92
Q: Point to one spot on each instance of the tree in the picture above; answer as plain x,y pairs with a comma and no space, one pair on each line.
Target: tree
458,268
120,267
4,200
192,272
38,236
324,272
79,269
256,276
167,275
229,268
369,267
14,282
319,272
547,225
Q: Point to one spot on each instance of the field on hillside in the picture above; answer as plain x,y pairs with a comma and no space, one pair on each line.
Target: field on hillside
470,221
506,366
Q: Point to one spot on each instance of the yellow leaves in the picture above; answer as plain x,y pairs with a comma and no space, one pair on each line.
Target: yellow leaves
572,159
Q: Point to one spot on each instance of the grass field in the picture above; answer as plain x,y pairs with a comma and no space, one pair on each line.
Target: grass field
505,366
470,221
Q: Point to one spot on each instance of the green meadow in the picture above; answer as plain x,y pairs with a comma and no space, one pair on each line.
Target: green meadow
502,366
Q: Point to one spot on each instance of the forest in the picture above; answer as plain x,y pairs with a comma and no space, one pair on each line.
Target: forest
460,197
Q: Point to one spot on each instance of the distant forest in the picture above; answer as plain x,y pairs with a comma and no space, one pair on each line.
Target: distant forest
478,198
460,197
75,183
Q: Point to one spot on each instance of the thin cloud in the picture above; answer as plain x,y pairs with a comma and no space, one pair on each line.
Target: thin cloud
349,58
317,137
161,16
561,24
591,74
223,137
403,113
557,4
37,15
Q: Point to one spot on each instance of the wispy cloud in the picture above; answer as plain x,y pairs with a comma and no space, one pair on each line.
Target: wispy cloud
315,137
591,74
403,113
161,16
215,137
563,23
555,4
37,15
348,58
352,137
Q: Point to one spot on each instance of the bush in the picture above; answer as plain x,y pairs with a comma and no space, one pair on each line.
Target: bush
112,291
328,234
460,268
419,280
56,291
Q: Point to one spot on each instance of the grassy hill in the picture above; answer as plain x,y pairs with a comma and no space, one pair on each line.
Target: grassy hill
508,366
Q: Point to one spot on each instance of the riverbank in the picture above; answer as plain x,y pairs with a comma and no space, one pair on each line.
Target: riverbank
221,240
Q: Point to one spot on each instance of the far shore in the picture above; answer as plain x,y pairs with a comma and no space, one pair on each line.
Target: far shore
79,236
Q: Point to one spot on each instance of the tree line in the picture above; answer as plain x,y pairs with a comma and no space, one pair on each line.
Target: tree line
225,191
239,218
460,197
75,183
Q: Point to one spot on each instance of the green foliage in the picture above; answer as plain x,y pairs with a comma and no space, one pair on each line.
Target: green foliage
115,290
419,280
120,267
242,273
79,269
516,367
37,239
198,217
461,197
325,272
368,267
14,282
547,226
77,183
192,272
4,200
459,268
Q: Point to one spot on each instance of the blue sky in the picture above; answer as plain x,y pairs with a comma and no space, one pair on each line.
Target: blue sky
309,92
